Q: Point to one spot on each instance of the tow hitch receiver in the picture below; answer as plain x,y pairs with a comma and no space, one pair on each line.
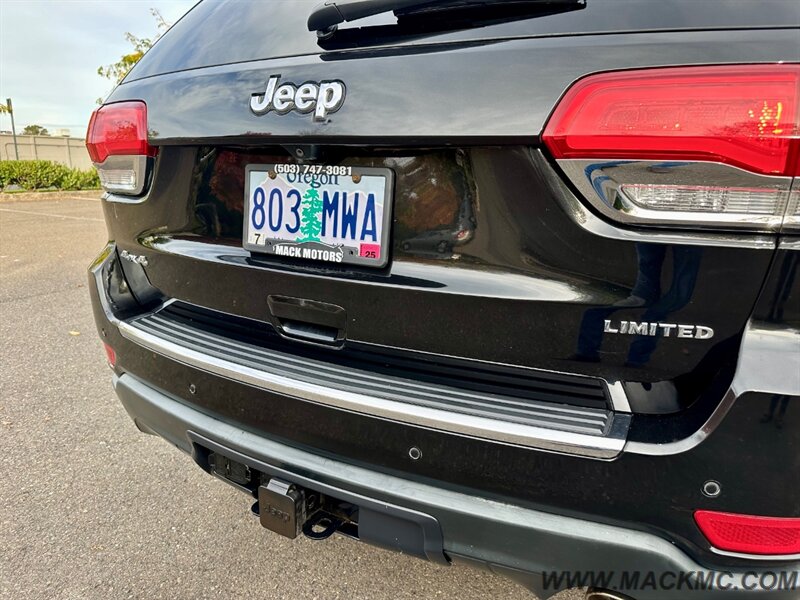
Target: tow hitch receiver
322,510
285,507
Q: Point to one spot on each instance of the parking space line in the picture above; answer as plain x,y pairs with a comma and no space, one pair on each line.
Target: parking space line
45,214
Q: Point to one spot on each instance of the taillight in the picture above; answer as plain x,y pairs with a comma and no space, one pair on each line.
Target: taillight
713,145
747,534
118,146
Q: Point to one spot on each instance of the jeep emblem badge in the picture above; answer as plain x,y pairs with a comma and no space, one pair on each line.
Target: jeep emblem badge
320,98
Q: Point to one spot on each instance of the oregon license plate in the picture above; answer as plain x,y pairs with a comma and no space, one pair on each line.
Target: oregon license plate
328,213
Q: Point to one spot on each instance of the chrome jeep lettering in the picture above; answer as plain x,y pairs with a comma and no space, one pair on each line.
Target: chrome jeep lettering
321,98
697,332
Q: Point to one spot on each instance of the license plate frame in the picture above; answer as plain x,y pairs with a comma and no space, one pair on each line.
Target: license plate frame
293,176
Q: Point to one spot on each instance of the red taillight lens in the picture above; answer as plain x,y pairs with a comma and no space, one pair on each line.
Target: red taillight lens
117,143
118,129
747,116
747,534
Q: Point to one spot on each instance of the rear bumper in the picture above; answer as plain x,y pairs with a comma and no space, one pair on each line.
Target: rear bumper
521,512
517,542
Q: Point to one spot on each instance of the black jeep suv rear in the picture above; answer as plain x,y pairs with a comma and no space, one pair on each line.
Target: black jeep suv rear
510,284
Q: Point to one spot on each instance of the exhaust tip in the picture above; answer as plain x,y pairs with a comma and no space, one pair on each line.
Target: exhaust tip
598,594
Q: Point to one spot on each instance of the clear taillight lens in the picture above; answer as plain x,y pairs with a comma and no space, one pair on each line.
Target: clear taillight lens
701,198
118,146
712,145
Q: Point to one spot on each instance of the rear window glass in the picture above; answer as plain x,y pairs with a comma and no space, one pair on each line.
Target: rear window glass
217,32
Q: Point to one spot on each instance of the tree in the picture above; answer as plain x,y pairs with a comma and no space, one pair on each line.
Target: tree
116,71
35,130
312,224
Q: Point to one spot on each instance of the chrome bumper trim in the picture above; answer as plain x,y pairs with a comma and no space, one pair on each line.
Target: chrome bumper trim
600,436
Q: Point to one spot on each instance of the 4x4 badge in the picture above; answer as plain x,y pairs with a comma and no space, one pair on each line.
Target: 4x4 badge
320,98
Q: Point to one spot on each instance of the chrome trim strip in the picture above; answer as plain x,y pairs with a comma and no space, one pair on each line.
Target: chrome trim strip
555,416
765,356
120,199
760,557
791,219
616,393
600,181
619,399
589,221
494,429
768,357
690,442
789,244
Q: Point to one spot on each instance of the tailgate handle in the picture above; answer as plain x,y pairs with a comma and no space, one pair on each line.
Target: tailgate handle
312,333
309,320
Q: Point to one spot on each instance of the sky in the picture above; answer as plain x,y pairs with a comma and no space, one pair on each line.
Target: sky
50,51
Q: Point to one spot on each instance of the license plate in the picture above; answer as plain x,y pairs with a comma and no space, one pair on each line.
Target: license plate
327,213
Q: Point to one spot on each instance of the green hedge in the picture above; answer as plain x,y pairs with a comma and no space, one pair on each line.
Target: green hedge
39,174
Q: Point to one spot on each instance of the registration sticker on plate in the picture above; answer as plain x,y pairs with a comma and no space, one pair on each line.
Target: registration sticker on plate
328,213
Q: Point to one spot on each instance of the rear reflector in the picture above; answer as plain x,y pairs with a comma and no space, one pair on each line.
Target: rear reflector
746,116
118,146
110,355
745,534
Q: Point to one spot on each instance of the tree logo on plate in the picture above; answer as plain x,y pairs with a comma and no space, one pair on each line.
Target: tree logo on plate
312,224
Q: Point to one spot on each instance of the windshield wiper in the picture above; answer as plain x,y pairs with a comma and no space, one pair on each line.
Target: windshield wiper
327,16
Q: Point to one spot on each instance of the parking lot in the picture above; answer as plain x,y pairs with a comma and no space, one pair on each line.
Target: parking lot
90,508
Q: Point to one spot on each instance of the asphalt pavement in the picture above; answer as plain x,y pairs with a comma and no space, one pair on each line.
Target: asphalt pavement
92,509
